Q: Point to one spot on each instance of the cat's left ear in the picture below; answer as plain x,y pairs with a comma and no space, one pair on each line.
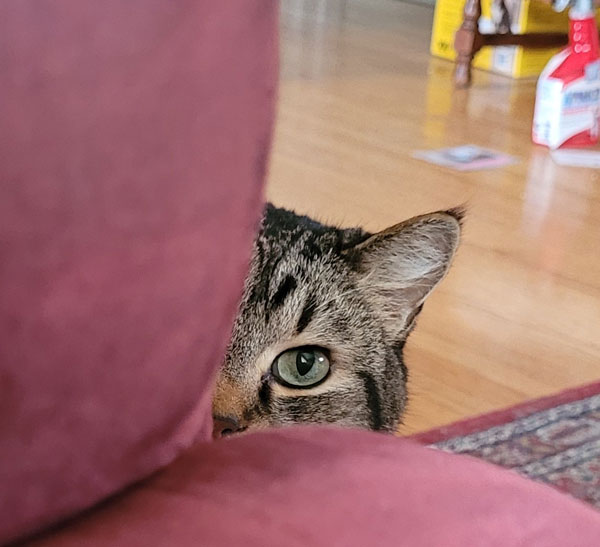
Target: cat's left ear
401,265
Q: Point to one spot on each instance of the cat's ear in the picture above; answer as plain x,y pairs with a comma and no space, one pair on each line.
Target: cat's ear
401,265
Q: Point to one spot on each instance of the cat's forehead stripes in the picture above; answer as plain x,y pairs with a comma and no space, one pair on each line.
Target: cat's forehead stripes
308,310
283,291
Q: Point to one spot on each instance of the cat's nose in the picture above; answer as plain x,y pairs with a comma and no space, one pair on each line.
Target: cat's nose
225,425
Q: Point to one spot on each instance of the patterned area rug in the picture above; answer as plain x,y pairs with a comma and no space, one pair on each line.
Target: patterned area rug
555,440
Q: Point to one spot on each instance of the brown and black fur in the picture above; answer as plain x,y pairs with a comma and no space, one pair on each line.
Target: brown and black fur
353,293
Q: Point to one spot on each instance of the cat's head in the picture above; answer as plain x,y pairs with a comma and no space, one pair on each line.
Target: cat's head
323,320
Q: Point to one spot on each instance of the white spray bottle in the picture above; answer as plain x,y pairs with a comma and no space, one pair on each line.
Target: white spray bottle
567,106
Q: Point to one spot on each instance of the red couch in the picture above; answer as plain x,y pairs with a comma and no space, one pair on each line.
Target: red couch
133,144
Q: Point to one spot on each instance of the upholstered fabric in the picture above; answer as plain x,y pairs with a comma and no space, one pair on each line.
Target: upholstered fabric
328,488
133,141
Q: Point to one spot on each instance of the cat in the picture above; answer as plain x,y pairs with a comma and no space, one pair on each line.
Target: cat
323,320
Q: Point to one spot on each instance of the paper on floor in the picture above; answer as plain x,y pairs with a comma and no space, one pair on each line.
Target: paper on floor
577,158
468,157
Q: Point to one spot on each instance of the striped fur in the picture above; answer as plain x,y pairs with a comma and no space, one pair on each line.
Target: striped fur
353,293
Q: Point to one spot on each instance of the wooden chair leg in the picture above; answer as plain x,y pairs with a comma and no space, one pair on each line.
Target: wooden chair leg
467,42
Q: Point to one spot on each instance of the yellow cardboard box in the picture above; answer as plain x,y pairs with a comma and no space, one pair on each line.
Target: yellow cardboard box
522,16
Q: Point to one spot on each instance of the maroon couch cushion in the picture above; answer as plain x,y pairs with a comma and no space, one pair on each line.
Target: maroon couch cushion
326,487
133,138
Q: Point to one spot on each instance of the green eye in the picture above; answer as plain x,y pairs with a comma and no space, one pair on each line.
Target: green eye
301,367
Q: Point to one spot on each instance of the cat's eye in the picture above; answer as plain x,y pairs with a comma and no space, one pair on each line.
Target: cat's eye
301,367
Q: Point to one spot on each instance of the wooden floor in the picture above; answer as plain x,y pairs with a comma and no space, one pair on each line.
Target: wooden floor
519,315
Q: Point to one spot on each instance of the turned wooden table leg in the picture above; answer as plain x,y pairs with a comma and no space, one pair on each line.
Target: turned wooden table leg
467,42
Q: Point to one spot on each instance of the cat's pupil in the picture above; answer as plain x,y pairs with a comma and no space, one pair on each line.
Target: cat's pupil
304,362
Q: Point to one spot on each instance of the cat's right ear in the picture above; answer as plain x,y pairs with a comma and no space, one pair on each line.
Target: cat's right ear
400,266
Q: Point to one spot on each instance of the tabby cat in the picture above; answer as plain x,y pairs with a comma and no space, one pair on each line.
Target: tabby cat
323,320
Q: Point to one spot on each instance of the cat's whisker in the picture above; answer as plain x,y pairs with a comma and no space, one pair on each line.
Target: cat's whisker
323,305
